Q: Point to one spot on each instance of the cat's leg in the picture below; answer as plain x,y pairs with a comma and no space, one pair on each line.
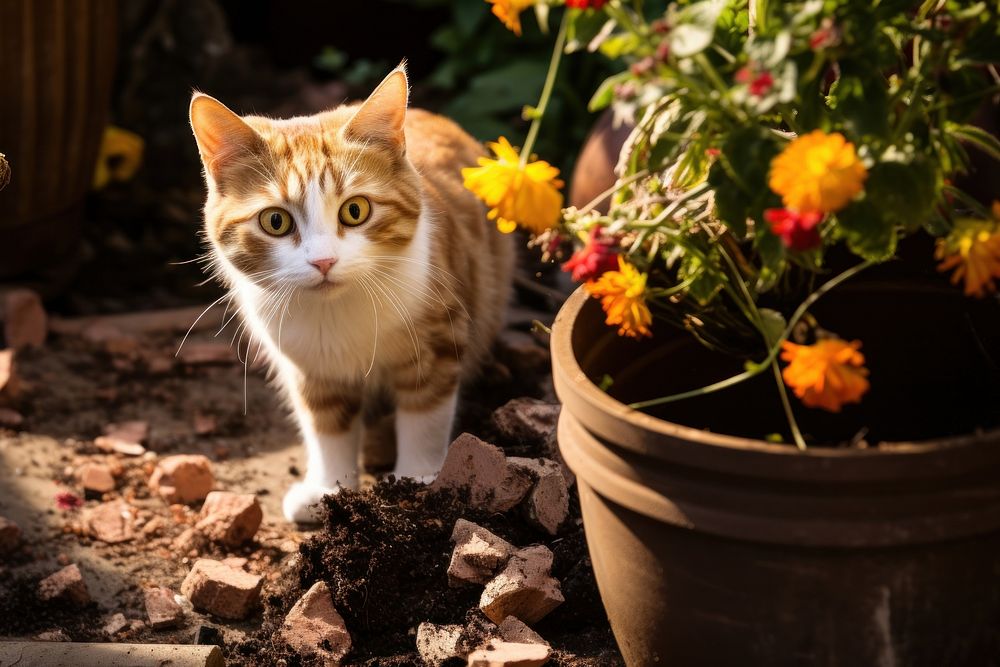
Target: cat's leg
426,398
331,428
422,437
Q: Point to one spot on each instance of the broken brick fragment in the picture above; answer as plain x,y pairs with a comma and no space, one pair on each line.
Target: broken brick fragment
315,629
184,478
230,518
221,590
478,554
509,654
10,536
524,589
514,630
96,478
66,584
162,609
437,644
482,468
24,319
110,522
547,503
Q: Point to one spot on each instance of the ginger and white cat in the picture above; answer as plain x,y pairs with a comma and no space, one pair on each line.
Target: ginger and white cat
364,266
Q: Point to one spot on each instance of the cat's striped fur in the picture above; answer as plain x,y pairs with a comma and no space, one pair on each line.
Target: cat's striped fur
404,305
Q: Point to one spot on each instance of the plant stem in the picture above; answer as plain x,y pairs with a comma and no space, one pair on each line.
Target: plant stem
792,424
772,355
543,101
613,189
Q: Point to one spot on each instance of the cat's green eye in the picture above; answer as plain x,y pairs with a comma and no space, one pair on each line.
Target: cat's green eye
354,211
275,221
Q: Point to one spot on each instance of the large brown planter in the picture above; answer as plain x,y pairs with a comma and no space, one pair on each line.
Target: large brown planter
713,549
57,60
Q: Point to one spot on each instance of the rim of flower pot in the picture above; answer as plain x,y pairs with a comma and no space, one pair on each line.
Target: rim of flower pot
636,431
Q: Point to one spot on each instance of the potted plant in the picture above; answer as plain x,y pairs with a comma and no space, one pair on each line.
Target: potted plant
781,374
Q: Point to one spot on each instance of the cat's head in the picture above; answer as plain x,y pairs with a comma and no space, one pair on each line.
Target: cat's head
312,203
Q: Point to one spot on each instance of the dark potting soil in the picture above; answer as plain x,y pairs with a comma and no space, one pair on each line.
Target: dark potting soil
384,553
24,614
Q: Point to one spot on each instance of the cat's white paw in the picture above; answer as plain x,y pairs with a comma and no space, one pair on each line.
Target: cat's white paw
302,502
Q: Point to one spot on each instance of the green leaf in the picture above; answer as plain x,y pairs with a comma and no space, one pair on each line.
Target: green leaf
694,28
705,282
861,103
606,91
976,136
774,325
620,45
739,178
905,193
771,252
868,231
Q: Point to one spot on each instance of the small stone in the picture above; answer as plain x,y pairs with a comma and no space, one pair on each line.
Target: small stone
184,478
482,468
53,636
25,322
222,590
548,502
314,628
236,562
438,644
513,630
190,540
524,589
110,522
162,609
204,424
96,477
10,536
115,624
509,654
66,584
230,518
10,418
153,527
124,438
478,554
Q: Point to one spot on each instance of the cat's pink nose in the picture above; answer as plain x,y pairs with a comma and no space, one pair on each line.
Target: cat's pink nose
323,265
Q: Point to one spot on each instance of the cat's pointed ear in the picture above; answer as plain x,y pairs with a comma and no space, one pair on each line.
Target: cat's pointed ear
222,136
382,115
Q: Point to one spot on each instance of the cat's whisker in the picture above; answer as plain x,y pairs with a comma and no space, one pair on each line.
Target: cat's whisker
371,297
198,319
404,315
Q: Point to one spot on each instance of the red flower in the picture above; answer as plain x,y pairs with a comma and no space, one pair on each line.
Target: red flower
592,260
797,230
825,36
760,83
66,500
586,4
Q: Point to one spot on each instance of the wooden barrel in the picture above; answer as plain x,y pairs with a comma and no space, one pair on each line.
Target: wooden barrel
57,65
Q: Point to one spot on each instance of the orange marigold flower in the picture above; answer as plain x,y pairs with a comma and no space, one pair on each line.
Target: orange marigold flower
826,374
528,197
623,297
817,172
509,12
973,251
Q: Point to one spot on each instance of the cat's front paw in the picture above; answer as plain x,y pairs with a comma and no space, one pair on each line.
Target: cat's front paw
302,502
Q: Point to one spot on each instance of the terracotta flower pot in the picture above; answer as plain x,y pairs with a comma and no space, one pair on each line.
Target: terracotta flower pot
714,549
57,64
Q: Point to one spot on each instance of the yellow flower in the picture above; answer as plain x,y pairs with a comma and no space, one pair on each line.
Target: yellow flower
528,197
622,294
509,11
817,172
973,250
119,158
826,374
